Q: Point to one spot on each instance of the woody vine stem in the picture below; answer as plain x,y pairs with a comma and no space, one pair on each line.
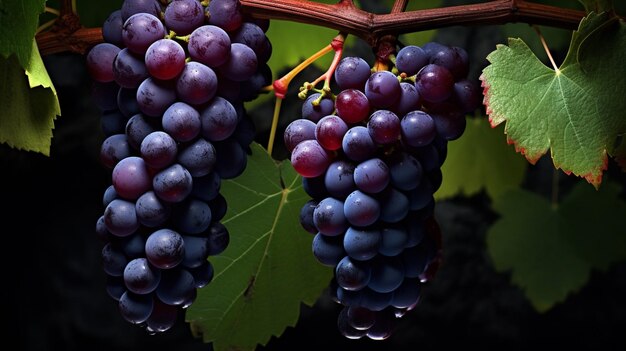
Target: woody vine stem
345,17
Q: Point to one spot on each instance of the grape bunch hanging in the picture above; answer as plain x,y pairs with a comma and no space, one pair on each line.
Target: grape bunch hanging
171,79
370,158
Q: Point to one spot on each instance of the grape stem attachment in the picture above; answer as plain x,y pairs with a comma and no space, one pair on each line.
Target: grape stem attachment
281,85
547,49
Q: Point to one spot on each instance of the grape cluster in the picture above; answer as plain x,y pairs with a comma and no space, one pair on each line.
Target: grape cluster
171,79
370,158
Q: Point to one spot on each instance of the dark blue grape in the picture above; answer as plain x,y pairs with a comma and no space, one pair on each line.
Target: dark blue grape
328,250
140,277
135,308
362,244
165,248
352,274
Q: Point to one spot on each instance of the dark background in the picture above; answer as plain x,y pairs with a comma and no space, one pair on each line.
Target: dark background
53,287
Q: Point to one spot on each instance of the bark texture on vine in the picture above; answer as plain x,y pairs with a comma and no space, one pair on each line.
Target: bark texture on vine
345,17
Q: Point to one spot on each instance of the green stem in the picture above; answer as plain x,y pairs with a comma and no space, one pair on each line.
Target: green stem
270,142
45,26
53,11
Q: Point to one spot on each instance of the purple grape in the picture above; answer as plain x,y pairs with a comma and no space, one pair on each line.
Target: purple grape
394,241
384,127
192,217
328,250
196,251
114,149
183,16
135,308
165,248
467,95
371,176
219,238
306,216
360,209
173,184
409,100
251,35
382,89
206,188
129,70
132,7
339,179
434,83
112,29
362,244
182,122
226,14
315,187
198,158
410,59
113,260
162,318
131,178
209,45
357,144
219,120
328,217
154,97
310,159
418,128
405,172
138,128
452,60
387,274
176,287
140,277
197,84
165,59
298,131
352,106
158,150
120,218
109,195
202,275
241,64
449,126
329,132
151,211
127,102
314,113
100,62
140,31
352,73
394,206
231,160
352,274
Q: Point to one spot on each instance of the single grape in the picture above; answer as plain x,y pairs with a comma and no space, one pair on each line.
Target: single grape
219,120
352,274
241,64
357,144
362,244
345,329
418,128
329,132
129,70
207,187
197,84
407,294
361,209
151,211
328,217
182,122
394,240
131,178
315,108
140,277
231,160
387,274
176,287
382,89
315,187
219,238
100,62
394,205
226,14
112,28
410,59
173,184
328,250
165,248
132,7
405,171
183,16
298,131
371,176
198,158
449,126
127,101
140,31
352,73
202,275
113,260
192,216
306,216
452,60
250,35
209,45
310,159
158,150
165,59
384,127
467,95
384,326
135,308
361,318
196,251
352,106
339,179
162,318
109,195
120,218
434,83
114,149
154,97
409,100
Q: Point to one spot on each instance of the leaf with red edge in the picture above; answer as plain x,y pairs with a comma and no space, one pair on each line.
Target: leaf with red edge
576,111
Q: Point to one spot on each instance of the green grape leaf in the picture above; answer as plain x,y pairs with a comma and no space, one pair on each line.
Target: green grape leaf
30,103
18,24
268,268
551,250
479,160
577,111
557,38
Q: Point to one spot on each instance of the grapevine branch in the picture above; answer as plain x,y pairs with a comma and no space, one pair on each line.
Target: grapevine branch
347,18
